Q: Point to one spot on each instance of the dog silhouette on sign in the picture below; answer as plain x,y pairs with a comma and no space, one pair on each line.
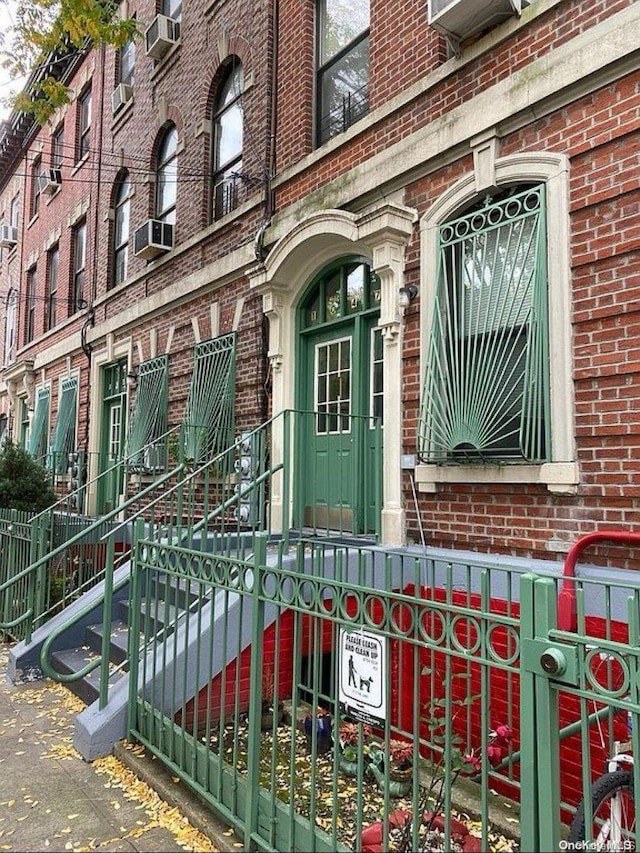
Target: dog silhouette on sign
366,683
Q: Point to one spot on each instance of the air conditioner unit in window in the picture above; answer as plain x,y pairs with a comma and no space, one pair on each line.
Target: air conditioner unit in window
161,35
153,239
120,96
8,236
49,180
460,19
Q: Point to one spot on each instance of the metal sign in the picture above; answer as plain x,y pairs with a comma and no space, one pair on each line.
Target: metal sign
362,676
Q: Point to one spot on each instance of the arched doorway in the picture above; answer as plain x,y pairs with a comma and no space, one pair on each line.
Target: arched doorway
339,388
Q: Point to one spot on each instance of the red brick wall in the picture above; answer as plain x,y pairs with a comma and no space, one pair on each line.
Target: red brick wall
602,144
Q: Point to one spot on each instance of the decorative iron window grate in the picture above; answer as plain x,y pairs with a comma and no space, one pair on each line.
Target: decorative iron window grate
64,433
485,396
352,107
209,419
146,443
39,435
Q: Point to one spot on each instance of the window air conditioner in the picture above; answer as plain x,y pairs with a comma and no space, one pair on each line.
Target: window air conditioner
49,180
153,239
8,236
460,19
120,95
161,35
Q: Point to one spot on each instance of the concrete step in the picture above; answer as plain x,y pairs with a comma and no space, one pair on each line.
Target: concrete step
118,641
87,688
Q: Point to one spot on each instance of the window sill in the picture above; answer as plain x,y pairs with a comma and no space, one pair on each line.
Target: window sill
80,163
122,114
560,478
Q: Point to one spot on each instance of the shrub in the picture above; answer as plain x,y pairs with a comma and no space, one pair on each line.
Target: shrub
24,484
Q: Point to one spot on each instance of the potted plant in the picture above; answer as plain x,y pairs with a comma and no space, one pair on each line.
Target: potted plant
351,747
398,776
319,722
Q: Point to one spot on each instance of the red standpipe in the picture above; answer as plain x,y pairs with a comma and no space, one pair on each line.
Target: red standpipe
567,617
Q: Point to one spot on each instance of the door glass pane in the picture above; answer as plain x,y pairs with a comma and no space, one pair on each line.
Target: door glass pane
333,386
376,376
115,417
332,298
355,290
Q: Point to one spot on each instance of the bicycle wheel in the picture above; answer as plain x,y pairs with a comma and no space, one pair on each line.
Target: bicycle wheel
613,814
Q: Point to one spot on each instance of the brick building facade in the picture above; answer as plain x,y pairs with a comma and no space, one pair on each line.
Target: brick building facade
315,162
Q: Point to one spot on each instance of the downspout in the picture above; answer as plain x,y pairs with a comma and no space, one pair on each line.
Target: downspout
90,321
269,199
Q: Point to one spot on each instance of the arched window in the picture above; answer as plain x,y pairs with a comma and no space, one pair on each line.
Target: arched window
121,230
167,177
227,147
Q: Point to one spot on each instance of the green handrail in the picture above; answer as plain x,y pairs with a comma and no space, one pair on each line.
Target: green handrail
42,561
106,595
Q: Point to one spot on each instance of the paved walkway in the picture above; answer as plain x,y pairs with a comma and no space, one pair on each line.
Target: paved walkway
52,800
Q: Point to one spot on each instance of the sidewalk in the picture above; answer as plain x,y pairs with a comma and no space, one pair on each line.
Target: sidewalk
52,800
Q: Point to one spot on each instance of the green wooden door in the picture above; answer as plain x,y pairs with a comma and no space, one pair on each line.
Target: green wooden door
340,392
112,437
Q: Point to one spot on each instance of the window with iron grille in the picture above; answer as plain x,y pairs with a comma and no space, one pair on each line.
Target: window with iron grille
39,434
121,230
227,149
485,397
209,418
343,65
63,441
147,441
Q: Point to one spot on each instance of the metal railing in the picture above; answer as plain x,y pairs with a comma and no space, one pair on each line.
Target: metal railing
461,662
218,507
230,703
68,553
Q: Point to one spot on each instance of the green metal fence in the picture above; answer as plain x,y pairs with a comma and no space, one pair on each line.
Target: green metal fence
216,507
69,552
581,692
16,542
406,661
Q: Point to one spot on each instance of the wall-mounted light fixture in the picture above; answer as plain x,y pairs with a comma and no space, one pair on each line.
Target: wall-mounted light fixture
132,379
407,295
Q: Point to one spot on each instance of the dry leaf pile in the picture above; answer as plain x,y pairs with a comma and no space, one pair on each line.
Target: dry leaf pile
52,728
160,813
323,794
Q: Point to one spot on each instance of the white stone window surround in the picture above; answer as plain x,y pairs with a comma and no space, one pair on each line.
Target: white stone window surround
561,474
